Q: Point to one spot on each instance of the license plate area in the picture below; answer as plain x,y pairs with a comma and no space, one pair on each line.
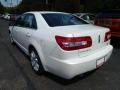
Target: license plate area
100,62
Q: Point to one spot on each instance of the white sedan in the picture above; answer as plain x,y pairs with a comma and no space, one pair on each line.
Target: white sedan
61,43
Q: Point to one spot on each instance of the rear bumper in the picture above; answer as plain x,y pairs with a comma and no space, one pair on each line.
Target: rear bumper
70,68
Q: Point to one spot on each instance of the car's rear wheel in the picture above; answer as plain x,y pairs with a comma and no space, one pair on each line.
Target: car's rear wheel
36,62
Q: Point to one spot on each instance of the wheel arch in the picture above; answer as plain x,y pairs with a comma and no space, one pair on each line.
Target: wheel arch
41,55
30,48
9,31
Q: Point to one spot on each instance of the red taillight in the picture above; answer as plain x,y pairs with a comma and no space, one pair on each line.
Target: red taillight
73,43
107,36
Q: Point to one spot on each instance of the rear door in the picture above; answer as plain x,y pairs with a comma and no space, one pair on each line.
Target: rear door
17,27
25,34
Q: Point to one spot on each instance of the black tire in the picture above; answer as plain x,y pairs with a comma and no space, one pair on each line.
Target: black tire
36,62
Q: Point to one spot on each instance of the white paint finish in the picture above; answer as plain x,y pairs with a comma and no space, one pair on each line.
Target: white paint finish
66,64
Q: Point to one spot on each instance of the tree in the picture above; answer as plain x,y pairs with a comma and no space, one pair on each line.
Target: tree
30,5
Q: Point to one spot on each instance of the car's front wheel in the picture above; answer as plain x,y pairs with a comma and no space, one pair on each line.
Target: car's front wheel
36,62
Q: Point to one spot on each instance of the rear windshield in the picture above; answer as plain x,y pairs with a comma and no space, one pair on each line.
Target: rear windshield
110,14
58,19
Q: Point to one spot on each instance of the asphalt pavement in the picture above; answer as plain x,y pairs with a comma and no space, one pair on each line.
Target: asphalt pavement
16,72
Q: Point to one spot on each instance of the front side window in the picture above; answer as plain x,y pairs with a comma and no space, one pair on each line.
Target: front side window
58,19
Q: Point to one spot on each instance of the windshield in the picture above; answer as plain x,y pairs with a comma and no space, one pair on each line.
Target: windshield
59,19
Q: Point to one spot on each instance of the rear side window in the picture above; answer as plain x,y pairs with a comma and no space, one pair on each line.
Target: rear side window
58,19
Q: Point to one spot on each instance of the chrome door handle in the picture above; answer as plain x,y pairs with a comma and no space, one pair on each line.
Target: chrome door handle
28,34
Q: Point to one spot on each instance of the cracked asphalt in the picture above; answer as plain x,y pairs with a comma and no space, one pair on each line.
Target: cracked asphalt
16,72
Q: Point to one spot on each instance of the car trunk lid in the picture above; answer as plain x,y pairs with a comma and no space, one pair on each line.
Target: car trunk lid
96,33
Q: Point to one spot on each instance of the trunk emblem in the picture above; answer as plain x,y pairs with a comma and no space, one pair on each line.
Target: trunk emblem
99,39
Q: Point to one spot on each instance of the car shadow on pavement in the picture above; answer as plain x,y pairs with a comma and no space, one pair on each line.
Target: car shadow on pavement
65,82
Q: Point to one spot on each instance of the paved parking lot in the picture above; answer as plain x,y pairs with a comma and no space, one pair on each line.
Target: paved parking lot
16,72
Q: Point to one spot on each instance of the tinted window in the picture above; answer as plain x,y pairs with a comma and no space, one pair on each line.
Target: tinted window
54,19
